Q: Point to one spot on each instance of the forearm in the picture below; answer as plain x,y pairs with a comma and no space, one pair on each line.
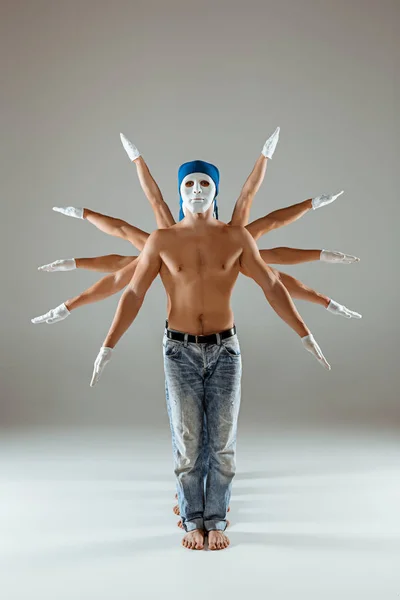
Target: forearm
116,228
289,256
153,194
279,299
243,205
297,289
128,308
104,264
278,218
163,215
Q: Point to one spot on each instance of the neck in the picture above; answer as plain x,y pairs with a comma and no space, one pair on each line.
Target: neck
199,219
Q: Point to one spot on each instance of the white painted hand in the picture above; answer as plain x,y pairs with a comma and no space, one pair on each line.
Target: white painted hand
103,357
339,309
311,345
270,144
324,199
69,211
130,149
333,256
63,264
55,314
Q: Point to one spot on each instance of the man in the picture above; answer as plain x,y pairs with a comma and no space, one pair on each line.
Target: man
122,268
199,260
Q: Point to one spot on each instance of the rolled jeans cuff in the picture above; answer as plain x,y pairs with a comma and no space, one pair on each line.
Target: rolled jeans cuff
212,524
194,524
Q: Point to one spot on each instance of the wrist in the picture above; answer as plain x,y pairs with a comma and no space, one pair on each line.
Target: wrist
109,343
304,332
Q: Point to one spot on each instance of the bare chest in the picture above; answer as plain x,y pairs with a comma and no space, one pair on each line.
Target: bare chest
212,256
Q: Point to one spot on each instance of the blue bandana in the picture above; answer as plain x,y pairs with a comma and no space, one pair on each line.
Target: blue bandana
198,166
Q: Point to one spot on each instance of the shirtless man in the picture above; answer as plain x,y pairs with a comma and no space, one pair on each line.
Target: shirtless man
199,260
115,263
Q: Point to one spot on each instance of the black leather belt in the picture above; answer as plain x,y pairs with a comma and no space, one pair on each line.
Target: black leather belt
200,339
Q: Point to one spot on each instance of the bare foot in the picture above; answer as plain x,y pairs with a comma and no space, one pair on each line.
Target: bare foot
217,540
194,540
180,524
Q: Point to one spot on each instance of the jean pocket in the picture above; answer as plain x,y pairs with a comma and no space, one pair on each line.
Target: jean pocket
172,347
231,346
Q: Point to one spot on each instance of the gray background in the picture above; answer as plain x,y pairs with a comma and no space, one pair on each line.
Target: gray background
206,80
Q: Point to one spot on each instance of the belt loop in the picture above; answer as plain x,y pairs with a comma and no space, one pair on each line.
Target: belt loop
185,343
218,338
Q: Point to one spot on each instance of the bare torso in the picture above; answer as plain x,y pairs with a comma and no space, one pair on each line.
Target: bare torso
199,270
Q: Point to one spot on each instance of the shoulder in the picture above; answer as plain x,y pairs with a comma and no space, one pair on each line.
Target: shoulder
158,236
240,233
155,241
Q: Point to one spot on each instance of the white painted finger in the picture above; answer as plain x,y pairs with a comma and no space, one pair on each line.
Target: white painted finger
325,363
95,378
40,319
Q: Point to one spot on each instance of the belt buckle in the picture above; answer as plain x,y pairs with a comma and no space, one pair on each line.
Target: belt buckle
196,338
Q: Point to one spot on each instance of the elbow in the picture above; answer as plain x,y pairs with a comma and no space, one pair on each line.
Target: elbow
135,296
271,283
271,225
121,279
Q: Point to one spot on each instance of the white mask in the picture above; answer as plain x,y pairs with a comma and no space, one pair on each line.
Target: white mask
198,192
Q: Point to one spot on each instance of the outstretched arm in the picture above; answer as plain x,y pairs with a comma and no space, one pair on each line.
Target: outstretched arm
110,263
274,291
160,208
149,186
107,286
294,256
288,256
241,211
148,267
290,214
276,294
106,224
117,227
278,218
101,264
297,289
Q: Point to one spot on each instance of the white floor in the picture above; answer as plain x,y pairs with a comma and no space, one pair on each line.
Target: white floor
88,515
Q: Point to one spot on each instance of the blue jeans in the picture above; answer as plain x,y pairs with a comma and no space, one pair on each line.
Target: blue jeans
202,386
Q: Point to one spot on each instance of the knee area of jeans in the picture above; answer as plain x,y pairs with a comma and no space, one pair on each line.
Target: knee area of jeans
185,464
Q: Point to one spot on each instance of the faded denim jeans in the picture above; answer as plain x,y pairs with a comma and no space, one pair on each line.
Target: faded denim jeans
202,388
